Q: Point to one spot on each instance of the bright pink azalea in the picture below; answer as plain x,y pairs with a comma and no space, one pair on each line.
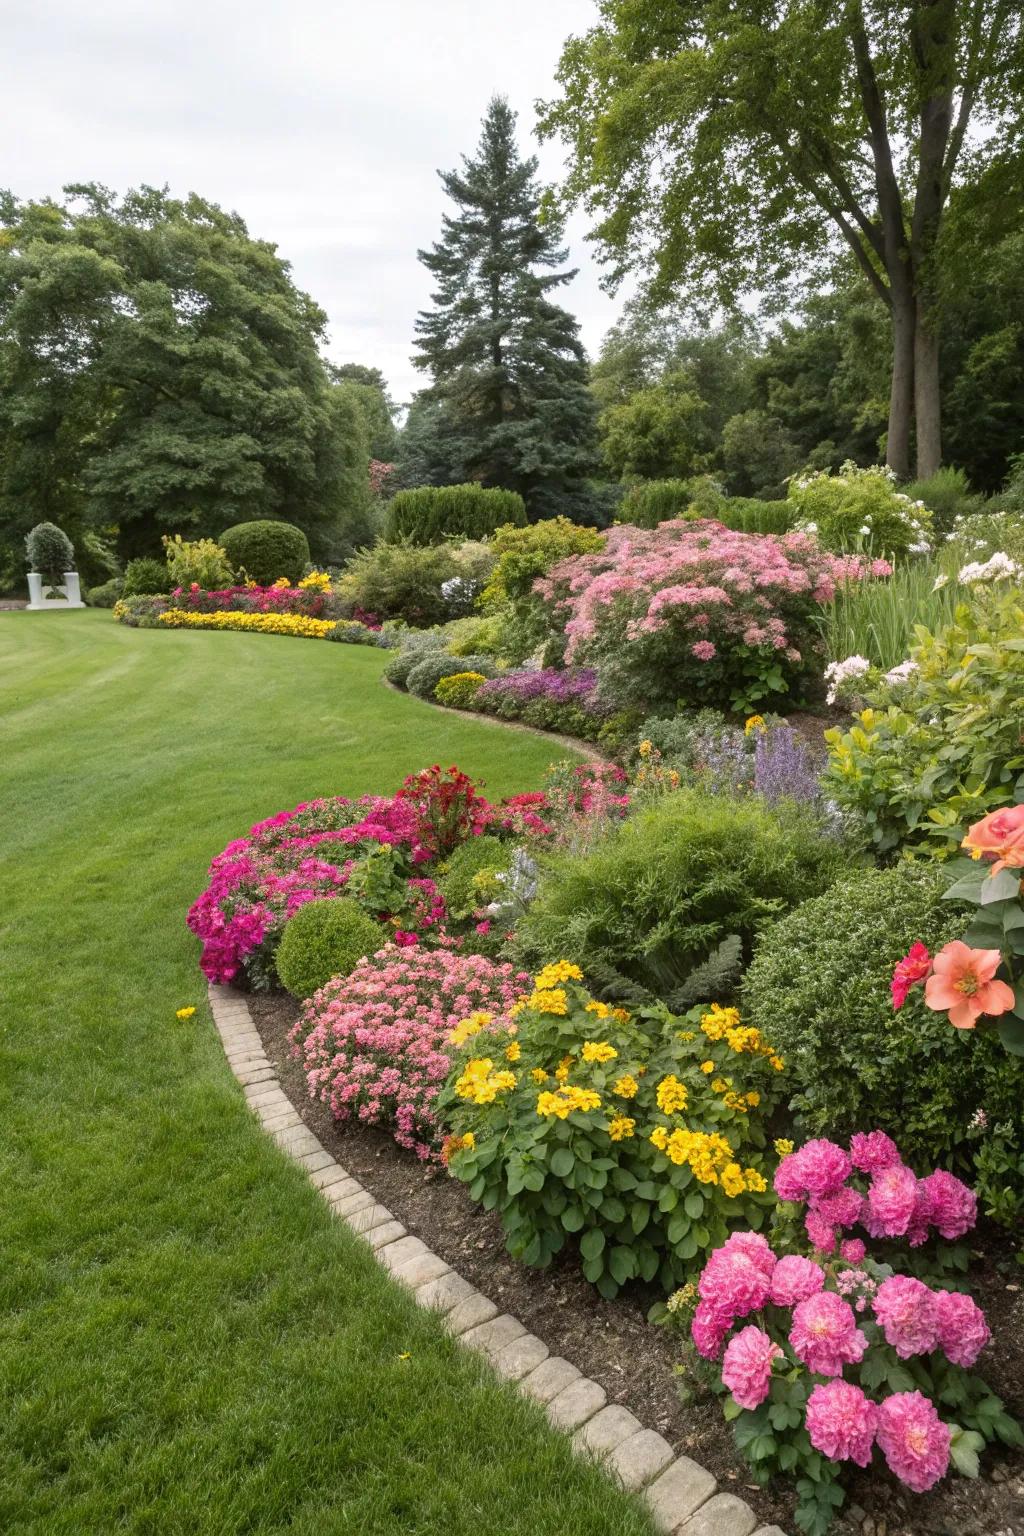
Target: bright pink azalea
963,1331
891,1198
841,1422
824,1334
913,1440
914,967
794,1278
747,1366
905,1307
872,1151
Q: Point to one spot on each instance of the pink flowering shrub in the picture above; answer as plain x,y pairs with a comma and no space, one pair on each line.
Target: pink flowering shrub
831,1354
375,1044
695,611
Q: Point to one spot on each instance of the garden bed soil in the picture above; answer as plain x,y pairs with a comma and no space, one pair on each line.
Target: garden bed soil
613,1343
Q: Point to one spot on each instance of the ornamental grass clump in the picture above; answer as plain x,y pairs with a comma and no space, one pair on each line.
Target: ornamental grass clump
376,1045
641,1137
825,1348
695,611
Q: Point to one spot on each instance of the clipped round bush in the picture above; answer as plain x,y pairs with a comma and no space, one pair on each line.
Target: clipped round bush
431,513
266,550
106,594
145,577
414,645
50,552
324,939
483,855
459,690
821,977
428,672
657,896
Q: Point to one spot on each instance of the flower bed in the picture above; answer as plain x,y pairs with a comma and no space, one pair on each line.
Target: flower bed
309,610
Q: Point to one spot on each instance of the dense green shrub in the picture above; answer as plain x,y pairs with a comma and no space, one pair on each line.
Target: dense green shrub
748,515
650,502
947,495
524,554
49,551
654,898
458,689
266,550
325,938
469,880
820,980
432,513
413,646
859,509
464,637
106,594
428,672
144,576
200,561
945,746
401,581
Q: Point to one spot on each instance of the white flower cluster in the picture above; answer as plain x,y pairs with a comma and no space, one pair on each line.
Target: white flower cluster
997,567
839,672
900,674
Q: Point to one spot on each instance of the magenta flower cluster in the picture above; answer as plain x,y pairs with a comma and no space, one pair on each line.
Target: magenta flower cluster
302,600
893,1202
375,1046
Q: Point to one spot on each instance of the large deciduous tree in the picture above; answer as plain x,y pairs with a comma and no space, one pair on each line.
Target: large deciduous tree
730,146
160,371
507,368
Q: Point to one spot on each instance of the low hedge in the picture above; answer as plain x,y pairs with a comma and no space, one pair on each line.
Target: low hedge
430,513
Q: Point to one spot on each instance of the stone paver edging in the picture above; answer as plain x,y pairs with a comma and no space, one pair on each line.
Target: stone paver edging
681,1497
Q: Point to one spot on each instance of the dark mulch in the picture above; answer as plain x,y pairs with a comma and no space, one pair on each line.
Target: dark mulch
613,1343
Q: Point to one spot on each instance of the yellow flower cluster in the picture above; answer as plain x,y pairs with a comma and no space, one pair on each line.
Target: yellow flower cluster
621,1128
557,973
737,1180
563,1069
724,1024
707,1155
539,1075
599,1010
454,1144
599,1051
183,1013
480,1083
718,1020
513,1051
671,1095
548,1000
262,623
783,1146
754,723
316,581
282,584
465,1029
626,1087
565,1100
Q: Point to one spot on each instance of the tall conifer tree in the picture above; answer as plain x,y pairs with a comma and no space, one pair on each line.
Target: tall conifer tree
508,372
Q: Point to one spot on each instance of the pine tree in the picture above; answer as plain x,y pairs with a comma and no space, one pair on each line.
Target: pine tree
508,370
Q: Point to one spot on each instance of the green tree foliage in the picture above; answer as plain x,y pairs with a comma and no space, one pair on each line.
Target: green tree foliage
660,432
726,147
159,370
508,400
369,388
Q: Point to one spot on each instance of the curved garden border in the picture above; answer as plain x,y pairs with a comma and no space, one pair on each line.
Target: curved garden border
585,749
681,1496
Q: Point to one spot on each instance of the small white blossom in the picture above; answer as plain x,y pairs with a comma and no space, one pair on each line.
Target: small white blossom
839,672
900,674
997,567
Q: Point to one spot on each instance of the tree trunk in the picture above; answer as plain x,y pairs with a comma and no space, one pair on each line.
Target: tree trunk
901,392
927,400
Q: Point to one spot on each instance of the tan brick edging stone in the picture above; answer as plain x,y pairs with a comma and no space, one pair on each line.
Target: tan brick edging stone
681,1497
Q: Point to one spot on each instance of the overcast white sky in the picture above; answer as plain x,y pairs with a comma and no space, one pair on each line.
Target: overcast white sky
322,122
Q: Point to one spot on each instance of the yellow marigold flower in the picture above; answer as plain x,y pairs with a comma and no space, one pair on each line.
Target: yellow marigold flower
721,1084
783,1147
602,1010
183,1013
622,1014
756,1182
281,583
754,723
626,1087
735,1101
317,581
539,1075
552,1104
517,1008
466,1028
598,1050
753,1099
718,1020
707,1066
513,1051
563,1069
548,1000
777,1062
733,1182
741,1040
565,1100
480,1083
671,1095
621,1128
659,1137
686,1035
556,973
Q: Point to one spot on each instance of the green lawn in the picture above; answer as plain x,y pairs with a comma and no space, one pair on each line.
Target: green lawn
189,1342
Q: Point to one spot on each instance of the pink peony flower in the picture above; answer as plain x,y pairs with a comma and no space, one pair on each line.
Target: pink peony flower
963,1331
753,1246
820,1231
817,1168
747,1366
952,1207
891,1197
905,1307
708,1329
853,1250
734,1283
824,1334
841,1422
913,1440
872,1151
843,1209
794,1279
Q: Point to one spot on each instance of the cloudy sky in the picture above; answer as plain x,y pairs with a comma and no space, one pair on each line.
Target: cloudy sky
322,122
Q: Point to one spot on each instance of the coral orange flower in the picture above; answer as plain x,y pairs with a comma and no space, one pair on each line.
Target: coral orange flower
963,983
1000,833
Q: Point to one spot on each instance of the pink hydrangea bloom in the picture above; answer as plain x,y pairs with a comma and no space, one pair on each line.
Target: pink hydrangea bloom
891,1198
824,1334
952,1207
913,1440
709,1328
872,1151
905,1307
841,1422
852,1250
747,1366
794,1278
963,1331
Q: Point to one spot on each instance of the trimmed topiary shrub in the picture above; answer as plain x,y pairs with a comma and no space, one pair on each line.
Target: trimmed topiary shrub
821,979
50,552
431,513
486,856
325,939
459,689
425,676
145,577
266,550
676,890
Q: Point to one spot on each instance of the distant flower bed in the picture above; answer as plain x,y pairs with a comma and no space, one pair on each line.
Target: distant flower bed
262,623
309,610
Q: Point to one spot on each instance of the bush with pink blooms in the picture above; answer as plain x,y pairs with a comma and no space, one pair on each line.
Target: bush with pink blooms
695,611
375,1045
827,1349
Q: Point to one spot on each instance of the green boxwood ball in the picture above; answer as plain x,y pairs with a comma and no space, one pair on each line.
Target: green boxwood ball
324,939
